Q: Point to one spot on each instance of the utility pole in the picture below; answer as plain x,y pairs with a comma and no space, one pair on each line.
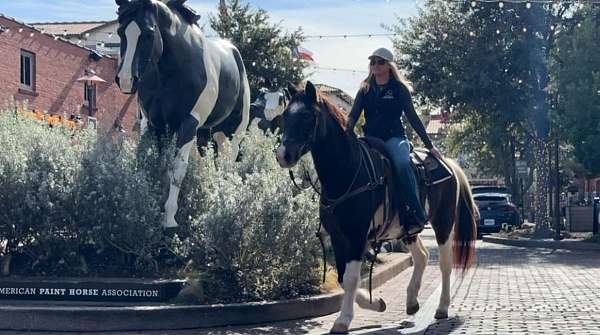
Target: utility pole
557,218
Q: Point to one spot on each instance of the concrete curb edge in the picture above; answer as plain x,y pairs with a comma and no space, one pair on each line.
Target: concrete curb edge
124,318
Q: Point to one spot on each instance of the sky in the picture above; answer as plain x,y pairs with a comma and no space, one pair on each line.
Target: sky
315,17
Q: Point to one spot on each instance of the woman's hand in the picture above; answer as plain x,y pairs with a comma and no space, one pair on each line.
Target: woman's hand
434,151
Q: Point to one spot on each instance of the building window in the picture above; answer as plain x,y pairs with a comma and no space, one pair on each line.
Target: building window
89,97
27,70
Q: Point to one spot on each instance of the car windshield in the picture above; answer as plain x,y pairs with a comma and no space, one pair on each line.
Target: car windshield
489,189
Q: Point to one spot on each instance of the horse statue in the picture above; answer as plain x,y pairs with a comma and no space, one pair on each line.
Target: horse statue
187,84
266,111
356,183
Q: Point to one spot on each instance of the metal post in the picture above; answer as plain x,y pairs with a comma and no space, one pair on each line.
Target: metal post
557,218
596,220
522,199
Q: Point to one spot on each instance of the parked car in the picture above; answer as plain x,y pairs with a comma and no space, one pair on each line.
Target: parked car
496,209
490,189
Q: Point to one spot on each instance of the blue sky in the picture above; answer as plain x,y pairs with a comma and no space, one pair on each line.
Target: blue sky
315,17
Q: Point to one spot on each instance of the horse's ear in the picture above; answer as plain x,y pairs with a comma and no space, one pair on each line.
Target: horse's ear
292,89
311,92
121,2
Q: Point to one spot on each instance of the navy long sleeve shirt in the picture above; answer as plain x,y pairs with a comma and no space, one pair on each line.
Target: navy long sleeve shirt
383,107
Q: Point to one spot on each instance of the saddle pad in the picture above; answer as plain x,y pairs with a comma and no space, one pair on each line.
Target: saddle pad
436,170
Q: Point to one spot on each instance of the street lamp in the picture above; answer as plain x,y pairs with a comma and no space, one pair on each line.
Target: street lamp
90,79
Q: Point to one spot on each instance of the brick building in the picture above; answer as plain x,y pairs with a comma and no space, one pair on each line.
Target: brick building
44,69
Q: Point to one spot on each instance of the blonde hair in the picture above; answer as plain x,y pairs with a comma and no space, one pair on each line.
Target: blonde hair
366,83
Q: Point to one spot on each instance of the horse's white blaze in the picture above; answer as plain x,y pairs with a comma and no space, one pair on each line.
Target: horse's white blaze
281,157
179,169
350,285
132,35
419,255
295,107
208,97
446,268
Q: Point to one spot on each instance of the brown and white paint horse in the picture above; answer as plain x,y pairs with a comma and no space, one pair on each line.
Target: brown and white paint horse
312,124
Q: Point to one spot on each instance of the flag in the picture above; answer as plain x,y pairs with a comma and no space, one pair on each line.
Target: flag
304,54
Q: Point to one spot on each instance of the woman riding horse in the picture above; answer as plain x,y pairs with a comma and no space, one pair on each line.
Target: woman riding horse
353,203
385,96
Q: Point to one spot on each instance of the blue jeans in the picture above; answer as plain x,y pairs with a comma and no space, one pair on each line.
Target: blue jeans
399,149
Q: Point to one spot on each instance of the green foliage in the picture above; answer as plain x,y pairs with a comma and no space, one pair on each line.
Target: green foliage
267,50
255,233
576,72
488,65
84,205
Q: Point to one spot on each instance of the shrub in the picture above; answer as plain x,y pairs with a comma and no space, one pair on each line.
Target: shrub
90,205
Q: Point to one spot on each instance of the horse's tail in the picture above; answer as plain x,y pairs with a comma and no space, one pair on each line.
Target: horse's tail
465,227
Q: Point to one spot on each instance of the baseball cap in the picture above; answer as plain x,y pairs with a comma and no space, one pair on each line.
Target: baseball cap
383,53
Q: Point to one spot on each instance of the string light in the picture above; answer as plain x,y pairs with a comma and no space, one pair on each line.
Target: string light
351,35
529,2
335,69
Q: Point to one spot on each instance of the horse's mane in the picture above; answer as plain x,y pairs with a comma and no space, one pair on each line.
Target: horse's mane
186,12
337,114
189,15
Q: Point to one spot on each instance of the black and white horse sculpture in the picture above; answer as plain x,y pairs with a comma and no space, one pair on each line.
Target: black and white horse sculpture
353,208
186,84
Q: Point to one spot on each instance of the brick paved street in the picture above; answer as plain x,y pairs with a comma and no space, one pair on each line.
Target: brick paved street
511,291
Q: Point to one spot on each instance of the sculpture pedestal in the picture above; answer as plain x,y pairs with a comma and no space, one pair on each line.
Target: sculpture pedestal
89,289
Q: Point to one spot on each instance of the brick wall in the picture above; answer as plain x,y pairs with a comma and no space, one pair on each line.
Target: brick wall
58,64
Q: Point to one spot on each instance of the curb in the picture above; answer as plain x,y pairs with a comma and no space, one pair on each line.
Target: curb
546,244
171,317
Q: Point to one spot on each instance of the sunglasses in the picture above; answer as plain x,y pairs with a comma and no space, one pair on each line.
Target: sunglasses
377,61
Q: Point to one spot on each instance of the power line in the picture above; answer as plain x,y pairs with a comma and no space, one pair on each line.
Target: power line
337,69
351,35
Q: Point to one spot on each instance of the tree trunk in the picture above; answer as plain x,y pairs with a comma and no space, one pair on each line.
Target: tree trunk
540,199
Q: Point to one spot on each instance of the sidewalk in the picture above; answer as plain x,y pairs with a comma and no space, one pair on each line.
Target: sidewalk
566,244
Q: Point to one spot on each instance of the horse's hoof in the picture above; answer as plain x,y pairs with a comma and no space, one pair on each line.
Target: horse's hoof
440,314
412,310
382,306
339,328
